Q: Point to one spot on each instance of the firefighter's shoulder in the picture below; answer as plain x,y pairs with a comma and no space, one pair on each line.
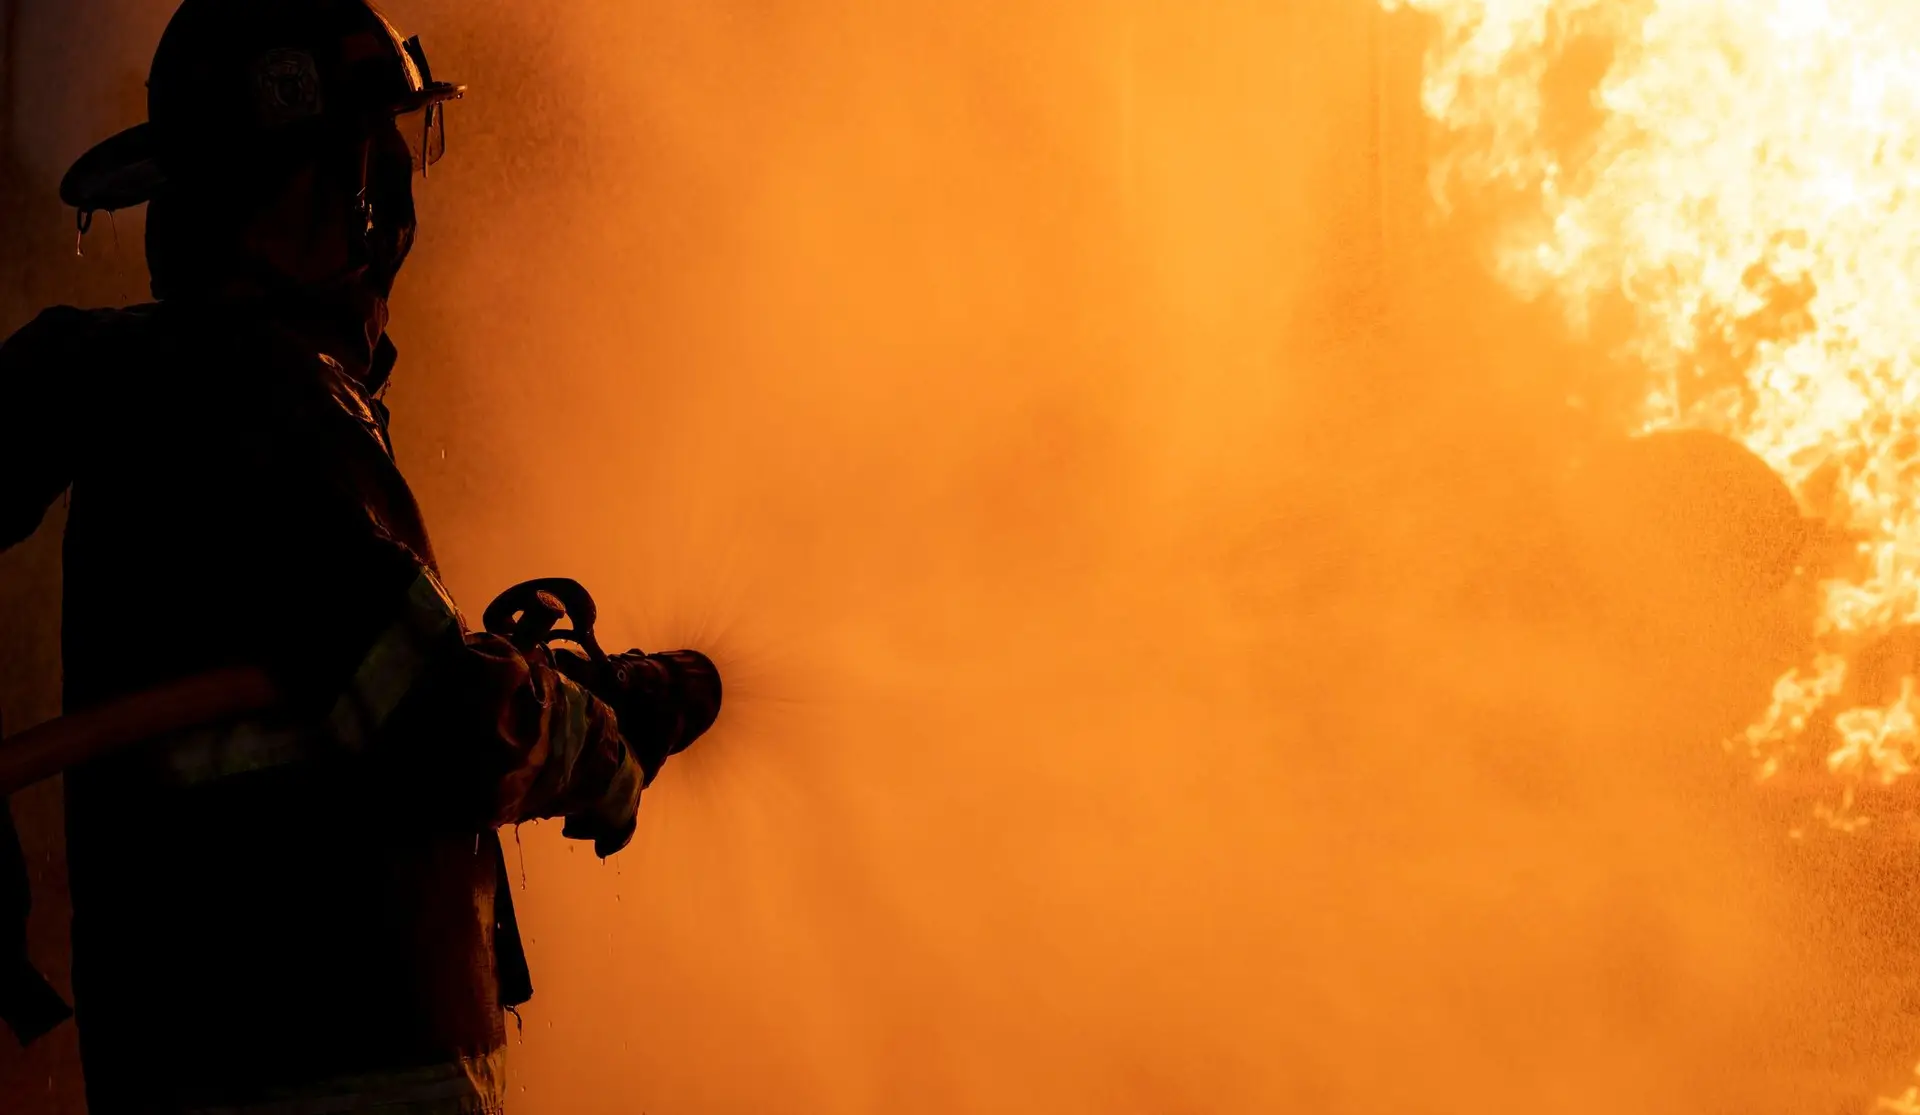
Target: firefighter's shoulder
59,339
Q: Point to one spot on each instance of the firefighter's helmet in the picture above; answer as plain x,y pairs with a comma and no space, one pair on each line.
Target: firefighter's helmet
232,79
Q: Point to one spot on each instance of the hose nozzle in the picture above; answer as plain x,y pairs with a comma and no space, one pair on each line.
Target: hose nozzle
666,700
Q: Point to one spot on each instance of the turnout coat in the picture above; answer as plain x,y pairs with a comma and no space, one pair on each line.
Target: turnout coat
305,912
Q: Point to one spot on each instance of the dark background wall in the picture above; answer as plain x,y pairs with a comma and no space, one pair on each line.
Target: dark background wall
43,114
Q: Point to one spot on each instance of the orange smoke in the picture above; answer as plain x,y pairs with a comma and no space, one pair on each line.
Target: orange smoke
1130,719
1137,545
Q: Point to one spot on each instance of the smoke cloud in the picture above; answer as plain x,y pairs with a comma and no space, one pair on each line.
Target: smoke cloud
1137,548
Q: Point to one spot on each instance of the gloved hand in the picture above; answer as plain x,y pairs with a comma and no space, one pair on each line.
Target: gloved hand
660,703
663,701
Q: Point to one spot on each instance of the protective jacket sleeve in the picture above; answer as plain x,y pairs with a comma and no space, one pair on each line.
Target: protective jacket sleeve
562,751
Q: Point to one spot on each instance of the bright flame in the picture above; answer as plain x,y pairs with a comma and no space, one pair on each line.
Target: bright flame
1742,178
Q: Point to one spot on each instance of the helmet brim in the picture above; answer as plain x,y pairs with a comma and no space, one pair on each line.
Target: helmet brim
124,170
119,172
433,93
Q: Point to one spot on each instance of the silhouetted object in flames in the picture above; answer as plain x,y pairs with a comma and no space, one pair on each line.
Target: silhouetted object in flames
1695,548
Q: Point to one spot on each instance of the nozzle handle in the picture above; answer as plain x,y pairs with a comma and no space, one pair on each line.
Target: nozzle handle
528,613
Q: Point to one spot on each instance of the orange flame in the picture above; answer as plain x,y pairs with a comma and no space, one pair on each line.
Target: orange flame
1742,178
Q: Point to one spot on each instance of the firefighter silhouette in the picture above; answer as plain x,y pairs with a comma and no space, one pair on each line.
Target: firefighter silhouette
301,911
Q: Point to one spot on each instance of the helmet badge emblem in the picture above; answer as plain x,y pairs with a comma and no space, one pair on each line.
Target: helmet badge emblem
286,87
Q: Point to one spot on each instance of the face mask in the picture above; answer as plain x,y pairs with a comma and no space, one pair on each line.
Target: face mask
381,236
388,208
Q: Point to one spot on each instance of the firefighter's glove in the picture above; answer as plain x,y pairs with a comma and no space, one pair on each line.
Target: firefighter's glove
539,744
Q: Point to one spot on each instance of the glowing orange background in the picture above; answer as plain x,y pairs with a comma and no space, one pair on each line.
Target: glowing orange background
1121,519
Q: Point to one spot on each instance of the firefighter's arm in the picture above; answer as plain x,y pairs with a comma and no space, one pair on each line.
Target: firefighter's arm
39,367
473,729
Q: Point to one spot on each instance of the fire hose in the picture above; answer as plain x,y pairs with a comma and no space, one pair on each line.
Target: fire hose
29,1006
